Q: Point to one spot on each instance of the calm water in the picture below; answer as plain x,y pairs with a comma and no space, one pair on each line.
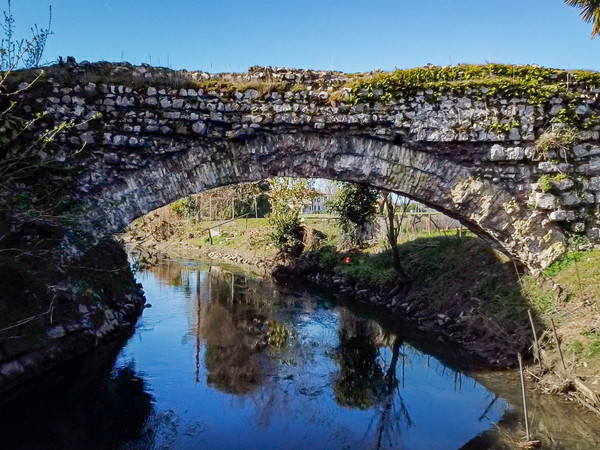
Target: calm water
224,360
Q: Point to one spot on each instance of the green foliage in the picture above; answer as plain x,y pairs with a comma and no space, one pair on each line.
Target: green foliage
356,206
497,127
288,197
538,84
565,261
287,232
184,208
568,116
547,182
577,348
590,12
542,300
376,270
575,240
328,257
593,348
591,122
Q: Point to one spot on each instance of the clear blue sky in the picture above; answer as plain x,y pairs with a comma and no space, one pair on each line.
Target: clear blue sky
350,35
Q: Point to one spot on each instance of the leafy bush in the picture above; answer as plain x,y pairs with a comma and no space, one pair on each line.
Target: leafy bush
288,232
356,206
184,208
288,197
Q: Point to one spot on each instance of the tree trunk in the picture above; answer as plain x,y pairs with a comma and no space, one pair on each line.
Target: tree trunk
402,279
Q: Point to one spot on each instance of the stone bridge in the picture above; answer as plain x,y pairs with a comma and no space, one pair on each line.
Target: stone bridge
468,149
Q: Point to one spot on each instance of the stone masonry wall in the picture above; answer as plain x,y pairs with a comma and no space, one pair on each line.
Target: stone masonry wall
166,134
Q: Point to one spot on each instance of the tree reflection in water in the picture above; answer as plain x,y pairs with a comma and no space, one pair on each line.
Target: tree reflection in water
366,381
238,332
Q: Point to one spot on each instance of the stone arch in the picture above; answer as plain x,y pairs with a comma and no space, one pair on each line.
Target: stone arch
466,148
419,171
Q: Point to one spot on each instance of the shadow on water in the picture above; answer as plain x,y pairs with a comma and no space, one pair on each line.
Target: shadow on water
85,404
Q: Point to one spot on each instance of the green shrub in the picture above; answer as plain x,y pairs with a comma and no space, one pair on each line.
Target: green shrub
184,208
565,261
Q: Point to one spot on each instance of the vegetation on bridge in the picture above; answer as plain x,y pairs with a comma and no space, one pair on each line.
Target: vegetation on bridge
538,84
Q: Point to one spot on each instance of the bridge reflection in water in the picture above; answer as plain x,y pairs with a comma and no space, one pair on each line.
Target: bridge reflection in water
226,360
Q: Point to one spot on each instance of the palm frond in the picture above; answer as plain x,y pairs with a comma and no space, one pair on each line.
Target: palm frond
590,13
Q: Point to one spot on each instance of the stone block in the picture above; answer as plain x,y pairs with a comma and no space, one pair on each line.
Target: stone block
548,167
557,216
200,128
56,332
514,134
594,234
570,199
497,153
564,185
594,184
580,151
11,369
250,94
545,201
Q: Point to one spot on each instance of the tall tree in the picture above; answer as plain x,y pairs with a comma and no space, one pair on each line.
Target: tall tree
590,12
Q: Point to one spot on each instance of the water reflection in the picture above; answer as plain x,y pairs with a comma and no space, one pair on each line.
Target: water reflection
106,410
270,362
225,360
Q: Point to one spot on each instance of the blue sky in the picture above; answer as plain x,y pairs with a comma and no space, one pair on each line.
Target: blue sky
351,35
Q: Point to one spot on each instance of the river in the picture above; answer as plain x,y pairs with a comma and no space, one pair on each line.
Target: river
224,359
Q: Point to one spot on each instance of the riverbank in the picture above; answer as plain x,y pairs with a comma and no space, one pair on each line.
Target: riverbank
463,292
56,315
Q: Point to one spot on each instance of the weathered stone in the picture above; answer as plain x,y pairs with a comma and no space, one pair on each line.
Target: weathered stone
199,127
545,201
594,165
594,234
514,134
11,369
56,332
564,184
250,94
88,138
570,199
548,167
557,216
595,184
497,153
515,153
433,146
580,151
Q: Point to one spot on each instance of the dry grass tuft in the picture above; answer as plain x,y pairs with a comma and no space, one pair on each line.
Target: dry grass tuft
558,138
